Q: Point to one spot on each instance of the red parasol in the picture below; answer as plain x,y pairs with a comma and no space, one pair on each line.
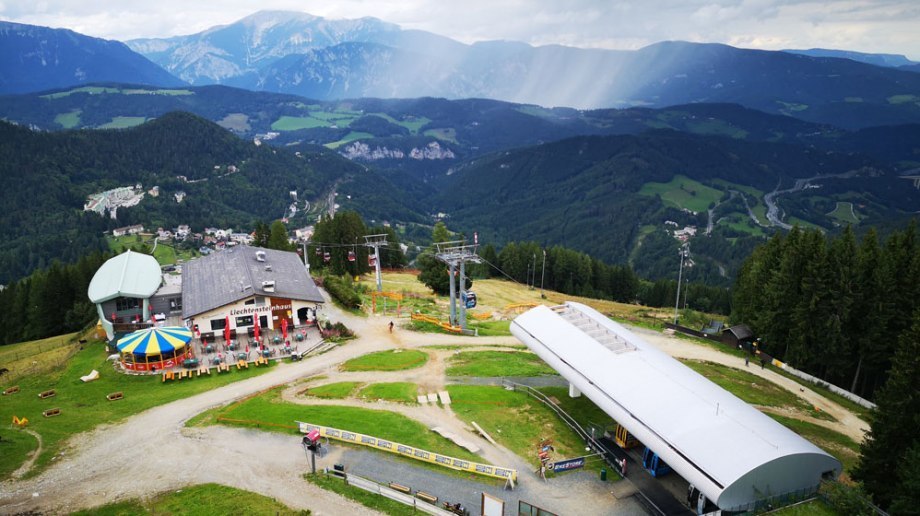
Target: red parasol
256,329
227,329
284,329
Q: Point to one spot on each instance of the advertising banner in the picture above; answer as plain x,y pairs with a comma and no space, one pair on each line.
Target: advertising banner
409,451
565,465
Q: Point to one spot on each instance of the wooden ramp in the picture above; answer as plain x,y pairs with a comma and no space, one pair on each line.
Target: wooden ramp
444,397
459,441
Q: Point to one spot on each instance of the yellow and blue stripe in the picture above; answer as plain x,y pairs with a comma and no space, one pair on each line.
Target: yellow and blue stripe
155,341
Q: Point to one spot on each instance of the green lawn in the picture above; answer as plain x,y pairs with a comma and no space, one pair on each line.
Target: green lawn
269,412
123,122
753,389
515,420
403,392
903,99
845,213
683,192
293,123
392,360
497,363
202,499
85,89
68,120
336,390
447,134
164,253
84,406
168,93
412,123
491,328
717,127
582,410
350,137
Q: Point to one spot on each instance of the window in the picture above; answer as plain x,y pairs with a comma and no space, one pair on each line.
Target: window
246,320
260,301
218,324
250,302
127,303
263,321
175,304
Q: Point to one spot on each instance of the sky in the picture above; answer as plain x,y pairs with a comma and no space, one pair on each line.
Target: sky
884,26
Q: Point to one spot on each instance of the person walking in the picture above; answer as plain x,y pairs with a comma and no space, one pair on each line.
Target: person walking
746,361
391,326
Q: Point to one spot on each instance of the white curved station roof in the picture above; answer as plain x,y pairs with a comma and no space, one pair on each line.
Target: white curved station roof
730,451
129,274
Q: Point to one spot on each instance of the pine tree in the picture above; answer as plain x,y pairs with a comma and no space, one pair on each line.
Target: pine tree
278,237
894,425
432,272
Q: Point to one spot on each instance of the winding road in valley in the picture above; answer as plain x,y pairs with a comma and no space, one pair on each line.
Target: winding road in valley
774,213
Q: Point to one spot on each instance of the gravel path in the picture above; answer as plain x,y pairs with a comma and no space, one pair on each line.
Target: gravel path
153,451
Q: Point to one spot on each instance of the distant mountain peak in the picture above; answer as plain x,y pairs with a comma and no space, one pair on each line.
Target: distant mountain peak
886,60
38,58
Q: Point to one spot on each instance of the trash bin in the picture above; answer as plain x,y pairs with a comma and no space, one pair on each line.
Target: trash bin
603,474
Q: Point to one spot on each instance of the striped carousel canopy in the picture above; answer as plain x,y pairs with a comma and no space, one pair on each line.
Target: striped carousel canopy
155,341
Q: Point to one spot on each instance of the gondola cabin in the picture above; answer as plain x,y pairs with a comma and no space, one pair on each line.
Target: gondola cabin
470,300
654,464
327,257
351,256
625,439
371,260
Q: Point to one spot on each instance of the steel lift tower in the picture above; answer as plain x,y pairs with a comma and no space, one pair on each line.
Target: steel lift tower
456,254
376,241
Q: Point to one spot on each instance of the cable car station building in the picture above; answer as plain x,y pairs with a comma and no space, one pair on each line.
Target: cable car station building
730,452
243,283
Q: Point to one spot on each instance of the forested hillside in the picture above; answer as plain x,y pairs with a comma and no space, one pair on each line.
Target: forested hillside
610,196
227,182
833,306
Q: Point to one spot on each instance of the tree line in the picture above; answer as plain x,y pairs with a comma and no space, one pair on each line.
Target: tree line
50,301
832,306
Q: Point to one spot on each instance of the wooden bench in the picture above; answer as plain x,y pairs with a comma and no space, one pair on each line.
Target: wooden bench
52,412
223,367
204,370
425,497
242,364
115,396
47,394
11,390
168,375
401,488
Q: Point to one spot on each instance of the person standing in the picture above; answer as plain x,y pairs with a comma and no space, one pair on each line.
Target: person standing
391,326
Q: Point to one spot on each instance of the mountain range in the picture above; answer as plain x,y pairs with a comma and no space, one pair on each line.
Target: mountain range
727,143
39,58
332,59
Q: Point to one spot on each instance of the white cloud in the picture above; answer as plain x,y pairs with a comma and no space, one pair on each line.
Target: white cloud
864,25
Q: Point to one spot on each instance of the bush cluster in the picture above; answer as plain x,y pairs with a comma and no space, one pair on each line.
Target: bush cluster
342,291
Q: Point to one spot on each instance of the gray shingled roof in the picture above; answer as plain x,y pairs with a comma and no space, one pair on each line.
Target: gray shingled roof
227,276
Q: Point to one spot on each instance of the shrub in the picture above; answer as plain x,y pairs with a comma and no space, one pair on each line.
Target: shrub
342,292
